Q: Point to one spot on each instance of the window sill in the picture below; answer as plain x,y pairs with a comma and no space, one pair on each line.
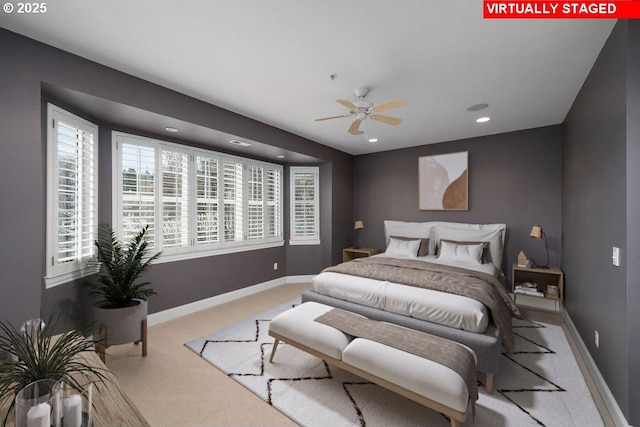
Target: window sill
62,278
304,242
195,253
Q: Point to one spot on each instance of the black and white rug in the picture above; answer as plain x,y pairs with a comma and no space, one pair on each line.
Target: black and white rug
539,384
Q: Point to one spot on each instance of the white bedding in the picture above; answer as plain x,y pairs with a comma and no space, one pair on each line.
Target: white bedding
437,307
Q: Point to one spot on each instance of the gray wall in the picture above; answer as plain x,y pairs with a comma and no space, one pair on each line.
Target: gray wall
27,64
514,178
601,209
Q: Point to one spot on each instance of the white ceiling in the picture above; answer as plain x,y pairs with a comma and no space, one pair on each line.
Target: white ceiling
271,60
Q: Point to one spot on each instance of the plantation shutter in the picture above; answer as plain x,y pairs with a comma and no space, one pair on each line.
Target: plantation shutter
304,206
175,199
138,191
207,201
274,208
233,215
255,201
72,187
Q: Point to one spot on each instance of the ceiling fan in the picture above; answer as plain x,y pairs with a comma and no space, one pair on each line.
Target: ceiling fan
362,110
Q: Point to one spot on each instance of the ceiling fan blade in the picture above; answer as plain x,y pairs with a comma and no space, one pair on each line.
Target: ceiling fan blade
386,119
355,127
389,105
333,117
350,105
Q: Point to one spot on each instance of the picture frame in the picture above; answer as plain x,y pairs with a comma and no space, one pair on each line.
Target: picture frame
443,182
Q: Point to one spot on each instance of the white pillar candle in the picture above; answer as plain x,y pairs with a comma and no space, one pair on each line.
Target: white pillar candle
39,415
72,411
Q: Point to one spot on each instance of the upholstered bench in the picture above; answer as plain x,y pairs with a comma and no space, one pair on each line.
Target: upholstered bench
427,382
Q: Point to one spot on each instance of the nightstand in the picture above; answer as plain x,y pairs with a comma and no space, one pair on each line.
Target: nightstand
352,253
547,283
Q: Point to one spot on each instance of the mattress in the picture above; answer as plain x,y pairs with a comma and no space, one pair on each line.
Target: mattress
445,309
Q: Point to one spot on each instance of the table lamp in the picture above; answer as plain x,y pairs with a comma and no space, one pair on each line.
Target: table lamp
357,226
538,233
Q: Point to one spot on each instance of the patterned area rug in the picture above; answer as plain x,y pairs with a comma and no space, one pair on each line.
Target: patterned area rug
539,384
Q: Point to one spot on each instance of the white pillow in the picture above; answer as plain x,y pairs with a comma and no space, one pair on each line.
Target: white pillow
464,253
399,247
409,229
493,236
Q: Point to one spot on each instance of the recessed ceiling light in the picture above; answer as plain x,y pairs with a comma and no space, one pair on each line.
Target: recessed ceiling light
483,119
477,107
240,143
171,129
373,139
280,156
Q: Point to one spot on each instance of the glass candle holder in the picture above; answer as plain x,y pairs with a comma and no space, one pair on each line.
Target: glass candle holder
35,404
74,401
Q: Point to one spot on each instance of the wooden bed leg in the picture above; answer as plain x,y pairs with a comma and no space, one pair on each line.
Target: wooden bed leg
102,343
489,384
273,350
454,422
143,330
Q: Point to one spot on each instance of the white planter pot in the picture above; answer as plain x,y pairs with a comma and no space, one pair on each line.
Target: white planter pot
124,325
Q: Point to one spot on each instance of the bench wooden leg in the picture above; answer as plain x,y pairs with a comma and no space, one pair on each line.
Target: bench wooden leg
143,332
489,384
273,350
102,343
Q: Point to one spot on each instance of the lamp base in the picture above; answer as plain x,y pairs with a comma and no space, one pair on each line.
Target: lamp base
540,266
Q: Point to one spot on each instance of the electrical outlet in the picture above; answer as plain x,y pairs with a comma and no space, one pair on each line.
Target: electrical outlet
275,265
597,339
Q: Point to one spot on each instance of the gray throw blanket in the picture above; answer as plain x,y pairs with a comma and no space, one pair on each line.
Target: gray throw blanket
440,350
480,286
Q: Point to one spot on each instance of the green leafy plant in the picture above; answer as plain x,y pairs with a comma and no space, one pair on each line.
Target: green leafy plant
42,356
122,264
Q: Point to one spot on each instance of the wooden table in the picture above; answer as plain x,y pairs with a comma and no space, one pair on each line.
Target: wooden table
349,254
111,406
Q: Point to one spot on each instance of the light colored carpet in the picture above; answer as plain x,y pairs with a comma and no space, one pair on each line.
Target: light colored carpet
540,384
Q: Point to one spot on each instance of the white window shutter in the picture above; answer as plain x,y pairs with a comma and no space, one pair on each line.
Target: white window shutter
72,195
305,227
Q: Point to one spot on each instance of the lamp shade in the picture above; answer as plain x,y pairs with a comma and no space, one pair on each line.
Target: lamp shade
536,232
358,225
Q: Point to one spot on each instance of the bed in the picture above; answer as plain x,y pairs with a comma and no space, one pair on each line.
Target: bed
443,278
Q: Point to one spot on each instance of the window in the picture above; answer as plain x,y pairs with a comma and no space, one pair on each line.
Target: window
72,195
305,225
207,200
202,202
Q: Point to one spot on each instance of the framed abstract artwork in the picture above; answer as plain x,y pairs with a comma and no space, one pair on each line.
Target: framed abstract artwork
444,182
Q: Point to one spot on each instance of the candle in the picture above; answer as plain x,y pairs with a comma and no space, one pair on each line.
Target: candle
39,415
72,411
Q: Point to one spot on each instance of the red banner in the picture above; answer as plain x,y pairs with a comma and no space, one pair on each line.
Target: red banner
620,9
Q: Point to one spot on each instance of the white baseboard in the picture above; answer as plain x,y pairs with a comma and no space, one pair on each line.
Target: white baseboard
183,310
609,400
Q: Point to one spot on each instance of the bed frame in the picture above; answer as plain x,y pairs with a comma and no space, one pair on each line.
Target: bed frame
488,345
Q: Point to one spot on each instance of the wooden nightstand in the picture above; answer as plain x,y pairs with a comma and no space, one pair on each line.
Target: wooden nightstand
549,282
352,253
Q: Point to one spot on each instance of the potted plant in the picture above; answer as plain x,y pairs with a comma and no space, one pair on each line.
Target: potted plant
121,310
36,354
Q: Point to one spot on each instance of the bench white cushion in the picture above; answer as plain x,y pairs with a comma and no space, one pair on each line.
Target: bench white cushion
298,325
414,373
